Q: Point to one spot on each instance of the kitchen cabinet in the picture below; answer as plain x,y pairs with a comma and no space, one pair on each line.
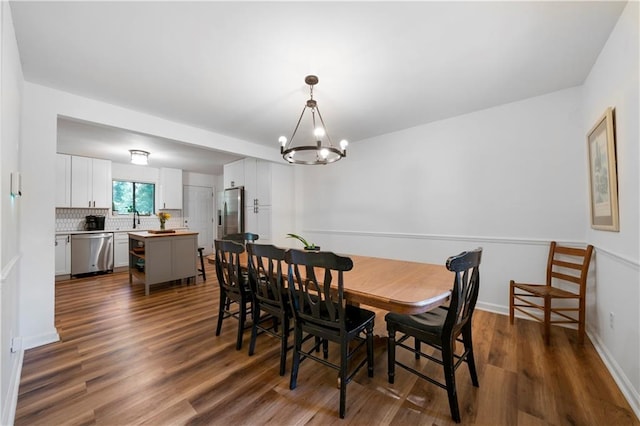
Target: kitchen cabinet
159,258
233,174
269,199
258,220
257,182
170,189
90,182
63,254
63,180
120,249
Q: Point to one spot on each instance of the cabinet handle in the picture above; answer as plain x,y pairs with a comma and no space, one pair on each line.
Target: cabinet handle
89,203
56,243
68,239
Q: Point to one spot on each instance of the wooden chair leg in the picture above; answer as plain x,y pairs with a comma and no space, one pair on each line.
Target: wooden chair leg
283,346
295,363
511,301
450,380
254,330
547,320
391,356
581,320
223,302
344,366
468,346
242,316
370,350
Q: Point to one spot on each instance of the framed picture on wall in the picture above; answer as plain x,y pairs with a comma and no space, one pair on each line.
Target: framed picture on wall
602,174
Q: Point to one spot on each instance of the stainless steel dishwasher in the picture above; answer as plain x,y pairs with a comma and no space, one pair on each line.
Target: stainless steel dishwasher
91,253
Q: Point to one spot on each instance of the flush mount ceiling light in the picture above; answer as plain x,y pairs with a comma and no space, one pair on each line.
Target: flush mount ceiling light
139,157
316,146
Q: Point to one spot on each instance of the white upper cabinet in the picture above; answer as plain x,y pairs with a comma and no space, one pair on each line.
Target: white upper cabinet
234,174
257,182
170,189
90,182
63,180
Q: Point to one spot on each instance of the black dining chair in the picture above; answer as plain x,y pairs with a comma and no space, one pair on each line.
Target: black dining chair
441,328
271,308
321,311
235,296
242,237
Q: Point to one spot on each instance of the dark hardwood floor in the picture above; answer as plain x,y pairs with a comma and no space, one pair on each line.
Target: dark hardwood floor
127,359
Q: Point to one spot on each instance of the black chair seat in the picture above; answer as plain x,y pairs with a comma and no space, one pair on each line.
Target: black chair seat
431,322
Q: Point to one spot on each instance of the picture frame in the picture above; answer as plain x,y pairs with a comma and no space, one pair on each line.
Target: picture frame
603,177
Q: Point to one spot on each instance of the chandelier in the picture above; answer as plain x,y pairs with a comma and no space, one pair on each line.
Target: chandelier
316,146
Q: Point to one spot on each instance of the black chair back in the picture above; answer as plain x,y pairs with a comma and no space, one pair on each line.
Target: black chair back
310,276
266,275
228,269
242,238
465,289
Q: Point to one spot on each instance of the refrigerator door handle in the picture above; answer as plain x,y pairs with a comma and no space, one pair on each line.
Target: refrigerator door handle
225,212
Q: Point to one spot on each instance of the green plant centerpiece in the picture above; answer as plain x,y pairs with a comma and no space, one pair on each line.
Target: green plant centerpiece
307,245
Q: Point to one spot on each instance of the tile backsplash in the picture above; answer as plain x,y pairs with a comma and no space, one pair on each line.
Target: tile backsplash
74,220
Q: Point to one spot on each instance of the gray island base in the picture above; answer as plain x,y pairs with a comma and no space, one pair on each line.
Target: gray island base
162,257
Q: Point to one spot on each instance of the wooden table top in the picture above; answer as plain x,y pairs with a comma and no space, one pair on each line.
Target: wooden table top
395,285
175,233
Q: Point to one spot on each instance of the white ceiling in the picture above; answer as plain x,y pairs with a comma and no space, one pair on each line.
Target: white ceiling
238,68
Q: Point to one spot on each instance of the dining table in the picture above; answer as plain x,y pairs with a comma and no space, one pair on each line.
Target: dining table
394,285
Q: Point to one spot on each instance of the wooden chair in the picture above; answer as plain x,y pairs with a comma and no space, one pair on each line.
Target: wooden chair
321,311
567,266
234,287
441,328
267,283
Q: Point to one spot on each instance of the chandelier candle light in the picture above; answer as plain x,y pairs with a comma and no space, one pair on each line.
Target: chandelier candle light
320,149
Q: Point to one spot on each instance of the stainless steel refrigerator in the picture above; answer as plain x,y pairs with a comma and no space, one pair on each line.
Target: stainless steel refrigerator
233,211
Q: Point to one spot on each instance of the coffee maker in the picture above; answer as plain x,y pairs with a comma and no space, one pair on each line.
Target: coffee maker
94,223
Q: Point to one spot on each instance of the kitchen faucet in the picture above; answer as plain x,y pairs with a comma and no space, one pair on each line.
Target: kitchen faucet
135,212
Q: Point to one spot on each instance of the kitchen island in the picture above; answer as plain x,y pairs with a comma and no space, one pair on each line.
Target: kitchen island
162,257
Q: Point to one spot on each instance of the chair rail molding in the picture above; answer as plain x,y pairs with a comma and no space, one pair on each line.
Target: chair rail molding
443,237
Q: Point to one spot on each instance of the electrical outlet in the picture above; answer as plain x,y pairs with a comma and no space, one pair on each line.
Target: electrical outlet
611,319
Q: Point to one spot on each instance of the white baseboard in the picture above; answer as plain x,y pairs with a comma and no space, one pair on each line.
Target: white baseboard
11,401
42,339
631,395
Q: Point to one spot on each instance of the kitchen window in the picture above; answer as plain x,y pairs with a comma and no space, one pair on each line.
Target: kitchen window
129,197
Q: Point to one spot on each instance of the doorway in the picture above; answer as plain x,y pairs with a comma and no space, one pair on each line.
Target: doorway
198,214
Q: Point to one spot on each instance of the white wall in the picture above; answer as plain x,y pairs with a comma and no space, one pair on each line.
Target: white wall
613,82
509,179
11,82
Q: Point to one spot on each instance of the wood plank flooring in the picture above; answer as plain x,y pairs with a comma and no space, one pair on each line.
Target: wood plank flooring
127,359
